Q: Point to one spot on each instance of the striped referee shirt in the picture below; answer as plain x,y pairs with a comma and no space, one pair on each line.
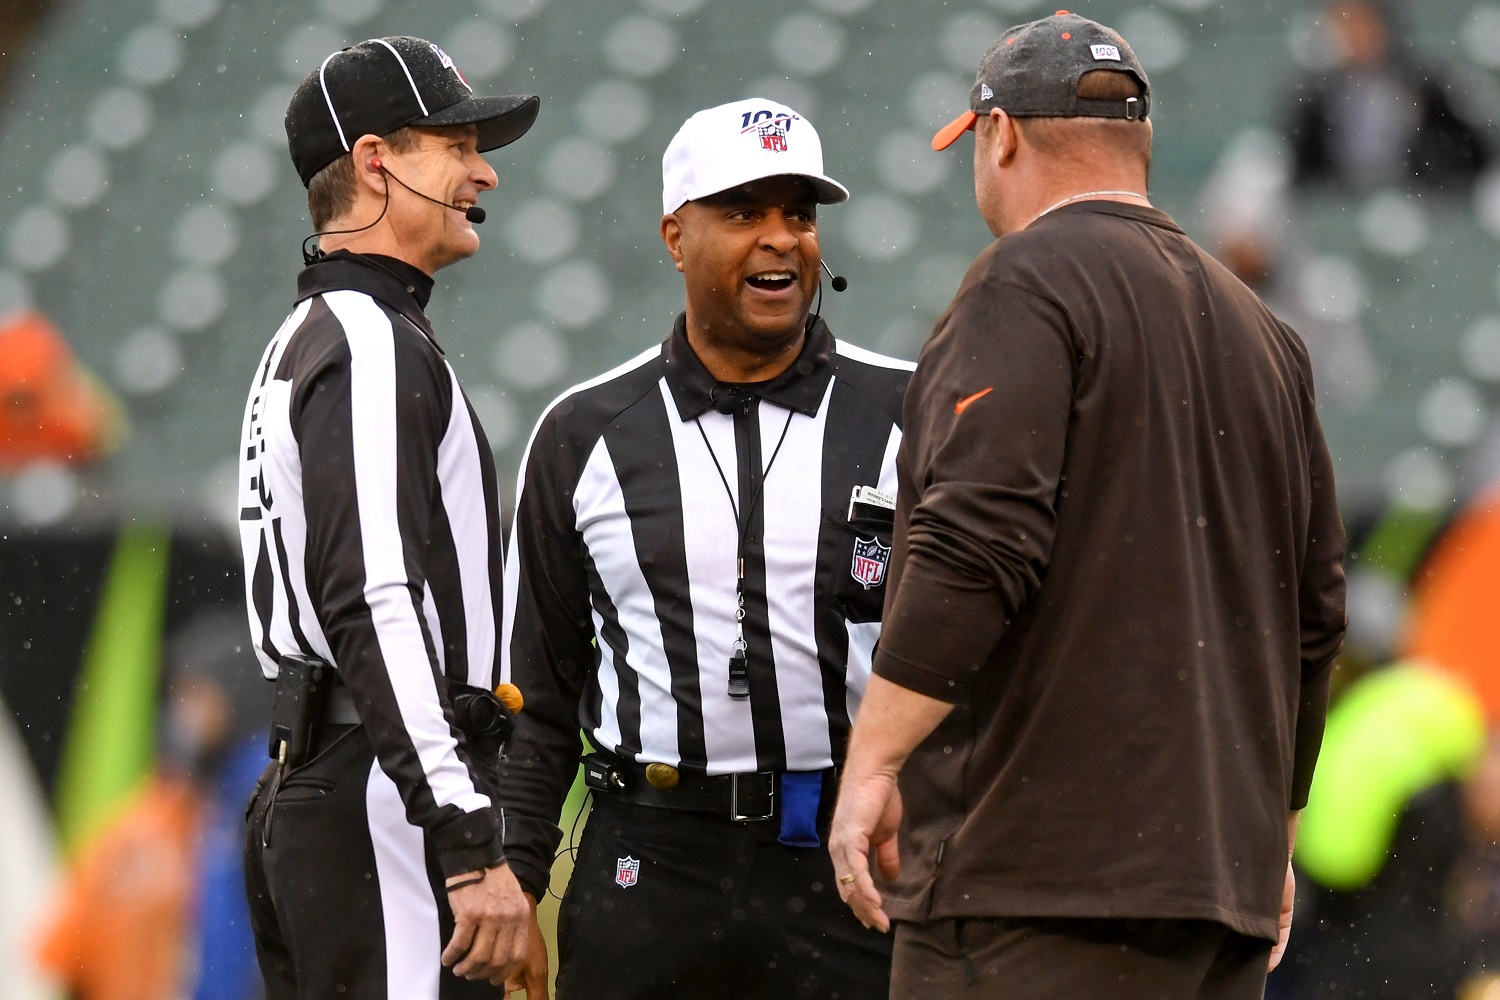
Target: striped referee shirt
369,522
621,598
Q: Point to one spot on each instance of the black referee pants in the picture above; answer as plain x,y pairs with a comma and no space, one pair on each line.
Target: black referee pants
670,905
347,899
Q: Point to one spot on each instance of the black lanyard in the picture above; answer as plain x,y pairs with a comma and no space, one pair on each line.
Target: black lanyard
739,664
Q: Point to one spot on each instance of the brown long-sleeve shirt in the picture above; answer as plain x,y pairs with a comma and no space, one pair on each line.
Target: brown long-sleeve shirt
1118,552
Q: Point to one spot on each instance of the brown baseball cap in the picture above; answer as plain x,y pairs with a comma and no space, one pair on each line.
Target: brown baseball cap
1032,71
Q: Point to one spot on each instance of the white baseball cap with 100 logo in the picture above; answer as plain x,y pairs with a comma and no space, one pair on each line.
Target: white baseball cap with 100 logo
734,144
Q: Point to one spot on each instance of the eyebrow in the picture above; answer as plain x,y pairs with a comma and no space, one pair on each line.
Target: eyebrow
739,198
453,131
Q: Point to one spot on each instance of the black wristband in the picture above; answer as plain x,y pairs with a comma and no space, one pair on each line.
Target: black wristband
471,880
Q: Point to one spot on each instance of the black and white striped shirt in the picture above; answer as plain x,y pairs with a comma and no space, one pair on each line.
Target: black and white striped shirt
369,520
621,584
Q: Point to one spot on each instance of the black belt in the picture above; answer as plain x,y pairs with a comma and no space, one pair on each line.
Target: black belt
750,797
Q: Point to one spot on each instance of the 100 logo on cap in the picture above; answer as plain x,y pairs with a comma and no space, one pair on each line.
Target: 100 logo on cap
771,126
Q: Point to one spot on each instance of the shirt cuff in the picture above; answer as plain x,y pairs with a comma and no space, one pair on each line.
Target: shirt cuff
471,844
533,880
940,631
916,677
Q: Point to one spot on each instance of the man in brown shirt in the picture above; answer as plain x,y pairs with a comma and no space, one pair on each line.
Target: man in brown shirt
1116,587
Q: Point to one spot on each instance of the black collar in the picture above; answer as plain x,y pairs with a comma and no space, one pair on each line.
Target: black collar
396,283
800,388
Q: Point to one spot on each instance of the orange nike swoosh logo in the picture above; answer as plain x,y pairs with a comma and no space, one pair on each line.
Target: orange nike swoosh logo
963,404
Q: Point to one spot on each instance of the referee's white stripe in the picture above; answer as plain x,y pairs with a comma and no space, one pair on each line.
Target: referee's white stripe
710,536
862,639
589,496
413,941
375,434
792,501
857,353
266,405
415,92
887,482
513,564
462,476
282,467
610,537
864,635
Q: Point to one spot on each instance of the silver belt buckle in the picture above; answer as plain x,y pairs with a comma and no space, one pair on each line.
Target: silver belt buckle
736,815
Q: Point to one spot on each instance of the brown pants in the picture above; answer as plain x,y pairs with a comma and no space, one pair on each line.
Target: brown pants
1077,959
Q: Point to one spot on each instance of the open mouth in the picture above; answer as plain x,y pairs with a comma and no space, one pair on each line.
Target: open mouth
772,281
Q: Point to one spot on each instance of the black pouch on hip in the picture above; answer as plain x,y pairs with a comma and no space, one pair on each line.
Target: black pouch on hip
301,685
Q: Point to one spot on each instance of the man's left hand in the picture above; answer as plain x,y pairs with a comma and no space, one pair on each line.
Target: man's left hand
1284,926
865,820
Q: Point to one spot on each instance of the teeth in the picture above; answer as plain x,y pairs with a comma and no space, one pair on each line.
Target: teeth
773,275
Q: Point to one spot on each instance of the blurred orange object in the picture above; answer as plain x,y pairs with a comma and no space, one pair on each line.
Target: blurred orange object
120,929
50,408
1455,611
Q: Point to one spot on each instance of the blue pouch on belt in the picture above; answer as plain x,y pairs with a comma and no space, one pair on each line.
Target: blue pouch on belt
801,792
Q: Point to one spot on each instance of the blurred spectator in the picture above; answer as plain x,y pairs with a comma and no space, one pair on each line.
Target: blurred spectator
27,866
154,905
18,18
1383,844
1476,891
51,409
216,647
1245,209
1380,118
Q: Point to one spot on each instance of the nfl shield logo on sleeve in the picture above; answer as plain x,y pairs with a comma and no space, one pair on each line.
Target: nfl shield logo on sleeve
870,558
627,870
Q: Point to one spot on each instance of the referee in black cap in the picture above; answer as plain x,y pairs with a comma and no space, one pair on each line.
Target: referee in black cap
371,534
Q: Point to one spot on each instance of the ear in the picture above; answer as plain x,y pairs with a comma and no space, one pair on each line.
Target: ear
1007,137
671,235
367,152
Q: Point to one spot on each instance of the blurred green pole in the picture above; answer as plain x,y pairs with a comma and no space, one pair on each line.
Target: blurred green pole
112,733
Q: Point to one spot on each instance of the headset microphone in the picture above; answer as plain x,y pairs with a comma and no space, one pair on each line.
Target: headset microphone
473,213
839,282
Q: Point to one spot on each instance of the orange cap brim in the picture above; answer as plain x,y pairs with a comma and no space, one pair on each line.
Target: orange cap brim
949,133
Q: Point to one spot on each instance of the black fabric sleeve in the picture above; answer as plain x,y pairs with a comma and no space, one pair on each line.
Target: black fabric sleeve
981,530
549,653
369,422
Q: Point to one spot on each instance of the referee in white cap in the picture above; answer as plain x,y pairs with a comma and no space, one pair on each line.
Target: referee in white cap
697,571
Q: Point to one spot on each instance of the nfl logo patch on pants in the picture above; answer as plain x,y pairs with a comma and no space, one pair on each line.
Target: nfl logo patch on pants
627,870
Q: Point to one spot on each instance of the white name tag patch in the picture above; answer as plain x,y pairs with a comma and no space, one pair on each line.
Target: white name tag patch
1106,52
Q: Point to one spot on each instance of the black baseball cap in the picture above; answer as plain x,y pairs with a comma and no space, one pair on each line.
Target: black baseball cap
384,84
1033,70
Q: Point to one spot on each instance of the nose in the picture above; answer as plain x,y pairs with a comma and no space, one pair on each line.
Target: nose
482,174
777,234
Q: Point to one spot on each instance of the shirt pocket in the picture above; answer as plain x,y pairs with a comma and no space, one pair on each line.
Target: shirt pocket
857,555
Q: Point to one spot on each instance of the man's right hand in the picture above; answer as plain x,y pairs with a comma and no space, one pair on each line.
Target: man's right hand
489,925
532,975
